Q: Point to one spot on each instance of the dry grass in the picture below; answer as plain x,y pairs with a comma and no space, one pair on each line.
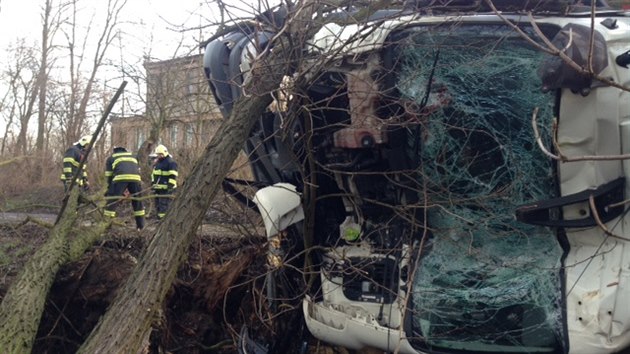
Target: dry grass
33,184
29,185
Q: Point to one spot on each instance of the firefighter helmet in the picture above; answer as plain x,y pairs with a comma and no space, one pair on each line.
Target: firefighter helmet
161,150
84,140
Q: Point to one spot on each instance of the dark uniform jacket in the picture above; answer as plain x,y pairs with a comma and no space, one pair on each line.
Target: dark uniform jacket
164,175
122,167
71,161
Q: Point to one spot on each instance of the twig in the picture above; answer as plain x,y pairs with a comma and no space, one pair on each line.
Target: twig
549,48
591,47
35,221
562,157
15,159
591,202
100,125
565,58
65,305
623,202
539,139
152,196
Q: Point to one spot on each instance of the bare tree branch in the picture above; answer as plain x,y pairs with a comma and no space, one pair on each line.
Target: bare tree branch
561,157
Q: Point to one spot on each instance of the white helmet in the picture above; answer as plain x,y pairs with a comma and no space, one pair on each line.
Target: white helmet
84,140
161,150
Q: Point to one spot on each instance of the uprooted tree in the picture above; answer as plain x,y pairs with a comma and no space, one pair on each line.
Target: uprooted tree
22,306
128,321
157,269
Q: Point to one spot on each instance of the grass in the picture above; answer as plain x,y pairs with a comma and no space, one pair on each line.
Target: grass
4,256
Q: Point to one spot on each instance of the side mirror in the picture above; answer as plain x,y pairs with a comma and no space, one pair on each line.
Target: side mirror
280,207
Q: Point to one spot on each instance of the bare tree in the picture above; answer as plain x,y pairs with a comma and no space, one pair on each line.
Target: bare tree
51,20
22,74
165,254
81,87
7,107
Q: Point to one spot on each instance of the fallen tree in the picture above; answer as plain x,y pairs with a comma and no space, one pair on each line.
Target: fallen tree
127,323
21,308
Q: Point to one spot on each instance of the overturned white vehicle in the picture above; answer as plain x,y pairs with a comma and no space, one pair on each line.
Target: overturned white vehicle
461,184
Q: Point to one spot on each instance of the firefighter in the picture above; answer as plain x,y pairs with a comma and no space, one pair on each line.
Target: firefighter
71,161
123,178
163,179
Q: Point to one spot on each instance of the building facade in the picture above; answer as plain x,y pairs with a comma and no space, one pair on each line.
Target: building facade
178,103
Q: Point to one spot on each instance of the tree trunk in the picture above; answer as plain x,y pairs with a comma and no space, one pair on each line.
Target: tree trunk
21,308
129,318
128,321
42,83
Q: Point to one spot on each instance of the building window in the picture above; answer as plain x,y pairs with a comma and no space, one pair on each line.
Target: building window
191,83
121,137
140,137
174,134
188,136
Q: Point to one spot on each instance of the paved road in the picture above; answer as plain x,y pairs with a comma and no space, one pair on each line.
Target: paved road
221,229
18,217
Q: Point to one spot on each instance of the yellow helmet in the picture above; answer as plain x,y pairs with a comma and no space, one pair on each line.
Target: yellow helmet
84,140
161,150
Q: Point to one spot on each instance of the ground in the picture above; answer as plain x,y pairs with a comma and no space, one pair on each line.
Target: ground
207,303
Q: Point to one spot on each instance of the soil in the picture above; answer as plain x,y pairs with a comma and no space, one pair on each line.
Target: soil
212,297
196,313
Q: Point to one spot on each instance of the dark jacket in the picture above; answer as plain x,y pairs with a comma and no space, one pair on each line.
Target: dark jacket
71,161
121,166
164,175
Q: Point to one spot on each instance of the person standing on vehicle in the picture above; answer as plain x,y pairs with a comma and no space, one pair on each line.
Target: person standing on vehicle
72,158
163,179
123,176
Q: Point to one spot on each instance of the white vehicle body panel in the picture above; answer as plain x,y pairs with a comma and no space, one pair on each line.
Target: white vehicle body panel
597,267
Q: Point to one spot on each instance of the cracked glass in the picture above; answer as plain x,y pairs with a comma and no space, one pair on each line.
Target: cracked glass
484,282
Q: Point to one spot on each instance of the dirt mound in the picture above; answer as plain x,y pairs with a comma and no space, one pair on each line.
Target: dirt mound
216,293
80,294
209,298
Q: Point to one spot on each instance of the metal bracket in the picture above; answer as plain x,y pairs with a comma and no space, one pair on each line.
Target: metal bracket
540,212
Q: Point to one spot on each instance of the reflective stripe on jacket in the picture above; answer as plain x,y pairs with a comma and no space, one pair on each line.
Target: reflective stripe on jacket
164,175
122,167
71,161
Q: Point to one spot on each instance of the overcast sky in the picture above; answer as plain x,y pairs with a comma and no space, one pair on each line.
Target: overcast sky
155,26
148,25
160,18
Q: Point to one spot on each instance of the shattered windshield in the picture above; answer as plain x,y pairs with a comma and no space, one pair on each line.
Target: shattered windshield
484,282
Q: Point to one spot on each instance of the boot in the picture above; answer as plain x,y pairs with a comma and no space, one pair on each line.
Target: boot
140,222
